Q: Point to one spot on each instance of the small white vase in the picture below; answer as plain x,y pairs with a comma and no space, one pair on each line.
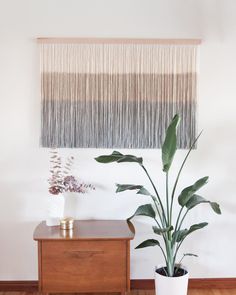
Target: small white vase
171,285
71,204
55,208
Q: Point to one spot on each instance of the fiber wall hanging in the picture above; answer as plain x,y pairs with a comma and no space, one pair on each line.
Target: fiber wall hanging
116,93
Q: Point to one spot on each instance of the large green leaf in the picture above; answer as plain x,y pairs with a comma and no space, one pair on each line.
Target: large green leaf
148,243
119,158
143,191
114,157
144,210
125,187
180,235
161,231
130,158
196,200
190,254
187,193
197,227
216,207
170,143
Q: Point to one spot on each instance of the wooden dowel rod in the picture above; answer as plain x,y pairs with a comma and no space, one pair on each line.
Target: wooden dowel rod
120,41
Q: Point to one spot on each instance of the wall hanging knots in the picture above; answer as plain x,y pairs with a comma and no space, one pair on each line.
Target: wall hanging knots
116,93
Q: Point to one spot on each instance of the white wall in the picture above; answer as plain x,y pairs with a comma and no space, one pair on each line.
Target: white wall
24,166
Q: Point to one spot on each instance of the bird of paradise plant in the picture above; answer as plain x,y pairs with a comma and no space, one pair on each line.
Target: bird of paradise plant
168,229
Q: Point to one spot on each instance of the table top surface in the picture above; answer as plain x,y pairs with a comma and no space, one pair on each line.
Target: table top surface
87,230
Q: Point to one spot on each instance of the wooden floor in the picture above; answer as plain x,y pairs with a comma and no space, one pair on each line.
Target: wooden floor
212,292
146,292
192,292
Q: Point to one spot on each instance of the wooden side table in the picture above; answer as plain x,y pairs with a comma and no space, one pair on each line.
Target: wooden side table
93,257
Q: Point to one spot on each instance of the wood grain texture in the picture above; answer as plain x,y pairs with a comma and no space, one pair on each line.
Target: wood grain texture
206,283
93,257
84,266
212,292
128,265
86,230
39,265
143,292
215,283
119,40
19,286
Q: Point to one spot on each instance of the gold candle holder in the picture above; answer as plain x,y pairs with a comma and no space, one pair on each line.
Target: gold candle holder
67,223
66,233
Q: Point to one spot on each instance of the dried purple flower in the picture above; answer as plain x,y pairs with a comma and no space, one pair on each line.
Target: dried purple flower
60,181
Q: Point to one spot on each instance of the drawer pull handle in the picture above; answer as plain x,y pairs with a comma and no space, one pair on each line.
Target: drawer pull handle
83,254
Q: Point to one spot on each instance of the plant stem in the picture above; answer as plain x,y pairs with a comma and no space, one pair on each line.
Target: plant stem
158,224
183,219
170,261
181,222
180,170
159,214
181,259
164,254
177,221
177,249
169,215
167,200
158,197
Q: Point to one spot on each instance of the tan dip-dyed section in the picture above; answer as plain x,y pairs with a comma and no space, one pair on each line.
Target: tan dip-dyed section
116,96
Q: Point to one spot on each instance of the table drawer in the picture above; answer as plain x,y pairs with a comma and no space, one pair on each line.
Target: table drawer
83,266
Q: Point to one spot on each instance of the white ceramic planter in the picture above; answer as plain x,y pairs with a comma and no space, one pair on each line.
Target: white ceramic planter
171,285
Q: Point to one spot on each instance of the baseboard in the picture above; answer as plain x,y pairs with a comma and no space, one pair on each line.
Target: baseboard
206,283
210,283
21,286
213,283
